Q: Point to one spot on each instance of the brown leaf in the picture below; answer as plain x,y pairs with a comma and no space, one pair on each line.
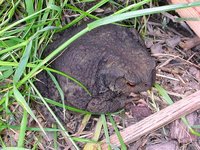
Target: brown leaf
171,145
173,42
180,131
140,112
157,48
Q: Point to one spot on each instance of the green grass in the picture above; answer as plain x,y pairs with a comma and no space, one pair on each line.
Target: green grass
25,30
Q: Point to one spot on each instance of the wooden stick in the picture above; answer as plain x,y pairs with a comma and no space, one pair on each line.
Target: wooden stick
193,12
157,120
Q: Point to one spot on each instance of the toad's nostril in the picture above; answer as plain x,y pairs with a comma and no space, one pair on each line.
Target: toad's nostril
148,85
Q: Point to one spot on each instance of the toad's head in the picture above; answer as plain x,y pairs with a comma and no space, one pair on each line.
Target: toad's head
128,76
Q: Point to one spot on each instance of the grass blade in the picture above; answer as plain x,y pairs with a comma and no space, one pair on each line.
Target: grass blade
13,47
20,99
95,137
23,129
54,7
164,94
29,7
133,6
84,122
138,13
3,145
84,140
57,86
123,146
103,118
55,137
6,72
23,62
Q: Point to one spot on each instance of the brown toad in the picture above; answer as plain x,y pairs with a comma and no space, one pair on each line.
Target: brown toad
111,61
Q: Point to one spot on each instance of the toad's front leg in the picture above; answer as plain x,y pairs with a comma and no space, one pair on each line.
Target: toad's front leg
107,102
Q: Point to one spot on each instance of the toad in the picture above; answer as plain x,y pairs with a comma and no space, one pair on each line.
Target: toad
111,61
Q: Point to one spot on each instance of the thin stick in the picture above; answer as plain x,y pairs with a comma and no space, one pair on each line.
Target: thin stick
157,120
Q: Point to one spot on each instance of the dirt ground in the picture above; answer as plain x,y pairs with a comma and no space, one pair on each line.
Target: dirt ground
177,53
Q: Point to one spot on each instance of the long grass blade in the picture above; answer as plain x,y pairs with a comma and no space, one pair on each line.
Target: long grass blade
20,99
23,129
138,13
103,117
23,62
123,146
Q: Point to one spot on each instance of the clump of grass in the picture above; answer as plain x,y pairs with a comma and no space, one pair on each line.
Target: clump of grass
25,30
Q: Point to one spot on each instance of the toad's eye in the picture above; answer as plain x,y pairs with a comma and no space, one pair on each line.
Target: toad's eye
131,84
93,104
